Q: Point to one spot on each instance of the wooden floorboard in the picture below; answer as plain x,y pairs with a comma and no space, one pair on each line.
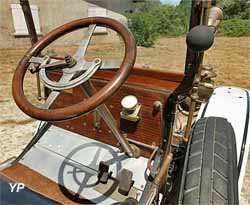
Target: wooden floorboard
42,185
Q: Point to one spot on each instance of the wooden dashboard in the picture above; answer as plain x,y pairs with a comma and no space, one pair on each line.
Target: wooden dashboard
147,85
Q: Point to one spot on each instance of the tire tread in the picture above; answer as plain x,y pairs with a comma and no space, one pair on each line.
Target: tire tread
211,170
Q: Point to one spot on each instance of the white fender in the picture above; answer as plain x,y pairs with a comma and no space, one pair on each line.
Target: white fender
233,104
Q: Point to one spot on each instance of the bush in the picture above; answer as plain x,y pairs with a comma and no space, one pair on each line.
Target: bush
142,26
235,27
153,20
166,20
169,21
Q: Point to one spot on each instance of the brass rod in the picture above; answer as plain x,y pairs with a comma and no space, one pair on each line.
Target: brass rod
151,147
215,16
154,187
162,175
189,120
39,95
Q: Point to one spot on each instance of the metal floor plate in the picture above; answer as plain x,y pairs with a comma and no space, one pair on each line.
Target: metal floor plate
72,160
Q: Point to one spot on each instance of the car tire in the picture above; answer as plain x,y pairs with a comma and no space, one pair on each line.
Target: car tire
210,168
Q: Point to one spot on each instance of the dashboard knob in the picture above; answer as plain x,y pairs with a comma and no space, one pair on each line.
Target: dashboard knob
129,102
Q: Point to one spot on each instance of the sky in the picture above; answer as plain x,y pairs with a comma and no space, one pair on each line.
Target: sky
172,2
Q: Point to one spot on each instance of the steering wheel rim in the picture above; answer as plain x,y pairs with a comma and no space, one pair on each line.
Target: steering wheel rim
94,101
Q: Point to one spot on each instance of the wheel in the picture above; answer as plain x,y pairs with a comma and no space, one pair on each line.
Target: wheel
210,168
76,71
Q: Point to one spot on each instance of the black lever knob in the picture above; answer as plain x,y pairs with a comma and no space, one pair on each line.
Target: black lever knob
200,38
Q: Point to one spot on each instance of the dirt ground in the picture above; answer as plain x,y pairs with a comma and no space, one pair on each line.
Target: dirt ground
229,56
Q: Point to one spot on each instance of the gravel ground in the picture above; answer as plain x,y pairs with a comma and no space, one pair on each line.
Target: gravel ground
15,138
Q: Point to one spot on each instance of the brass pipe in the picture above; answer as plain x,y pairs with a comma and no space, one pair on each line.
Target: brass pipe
215,16
148,196
152,156
141,144
162,175
39,90
206,5
194,98
189,120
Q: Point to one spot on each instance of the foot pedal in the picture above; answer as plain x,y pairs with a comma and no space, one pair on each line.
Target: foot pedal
125,181
103,173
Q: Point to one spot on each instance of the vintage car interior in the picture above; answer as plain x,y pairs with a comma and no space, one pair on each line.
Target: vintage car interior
106,134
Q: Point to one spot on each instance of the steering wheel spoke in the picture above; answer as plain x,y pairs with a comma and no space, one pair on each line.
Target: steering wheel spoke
110,64
81,51
59,64
37,60
55,93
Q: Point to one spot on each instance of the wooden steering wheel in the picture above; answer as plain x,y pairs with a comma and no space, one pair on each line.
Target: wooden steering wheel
90,103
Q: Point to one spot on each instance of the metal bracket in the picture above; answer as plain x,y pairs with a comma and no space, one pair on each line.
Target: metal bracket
131,116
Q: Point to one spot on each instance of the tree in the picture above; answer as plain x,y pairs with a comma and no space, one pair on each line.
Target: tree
147,5
231,8
185,5
237,9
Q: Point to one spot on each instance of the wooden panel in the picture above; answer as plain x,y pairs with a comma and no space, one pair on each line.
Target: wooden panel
42,185
147,89
141,80
154,79
147,130
151,73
